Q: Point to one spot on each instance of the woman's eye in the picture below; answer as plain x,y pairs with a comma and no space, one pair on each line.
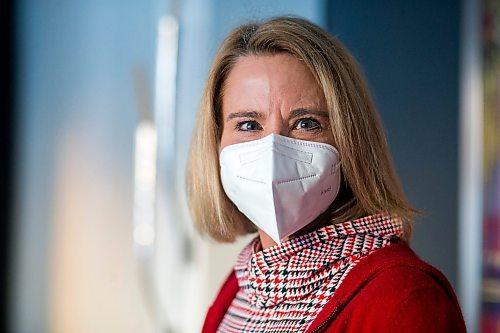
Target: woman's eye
307,124
248,126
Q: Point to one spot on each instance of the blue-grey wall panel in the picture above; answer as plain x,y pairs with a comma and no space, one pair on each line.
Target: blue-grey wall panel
409,53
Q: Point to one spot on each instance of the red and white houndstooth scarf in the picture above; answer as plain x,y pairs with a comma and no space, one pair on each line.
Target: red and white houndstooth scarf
284,287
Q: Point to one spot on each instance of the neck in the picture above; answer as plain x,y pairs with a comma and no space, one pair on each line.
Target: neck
318,223
267,241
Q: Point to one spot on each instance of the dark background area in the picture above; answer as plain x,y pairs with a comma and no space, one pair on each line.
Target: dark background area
409,52
6,149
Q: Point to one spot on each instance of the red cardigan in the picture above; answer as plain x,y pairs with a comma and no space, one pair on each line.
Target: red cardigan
391,290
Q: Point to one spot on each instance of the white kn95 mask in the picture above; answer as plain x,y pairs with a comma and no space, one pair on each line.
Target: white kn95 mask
280,184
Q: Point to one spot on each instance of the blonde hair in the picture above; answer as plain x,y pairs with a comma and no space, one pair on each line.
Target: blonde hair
370,185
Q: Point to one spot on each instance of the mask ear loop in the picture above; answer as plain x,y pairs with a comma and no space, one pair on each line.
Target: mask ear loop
336,167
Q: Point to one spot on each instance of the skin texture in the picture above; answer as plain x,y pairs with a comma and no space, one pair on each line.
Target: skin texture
277,94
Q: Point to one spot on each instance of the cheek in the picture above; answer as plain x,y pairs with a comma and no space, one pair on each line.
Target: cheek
227,138
329,138
223,142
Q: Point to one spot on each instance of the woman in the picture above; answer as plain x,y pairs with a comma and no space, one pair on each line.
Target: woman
288,144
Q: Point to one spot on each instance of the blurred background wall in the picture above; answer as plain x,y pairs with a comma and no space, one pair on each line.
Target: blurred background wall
77,111
85,74
410,54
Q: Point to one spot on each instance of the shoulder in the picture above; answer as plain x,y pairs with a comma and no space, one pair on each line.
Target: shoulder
221,303
393,290
403,278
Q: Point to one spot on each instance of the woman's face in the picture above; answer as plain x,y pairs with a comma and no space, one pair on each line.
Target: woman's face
273,94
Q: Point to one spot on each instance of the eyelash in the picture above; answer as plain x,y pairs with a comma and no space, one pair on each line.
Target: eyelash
315,128
241,123
317,125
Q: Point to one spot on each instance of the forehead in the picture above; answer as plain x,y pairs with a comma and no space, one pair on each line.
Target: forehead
279,66
279,78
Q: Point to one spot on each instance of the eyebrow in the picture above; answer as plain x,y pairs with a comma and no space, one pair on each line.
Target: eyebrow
294,114
243,114
303,112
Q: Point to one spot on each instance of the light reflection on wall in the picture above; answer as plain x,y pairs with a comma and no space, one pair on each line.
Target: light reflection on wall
144,185
93,282
75,269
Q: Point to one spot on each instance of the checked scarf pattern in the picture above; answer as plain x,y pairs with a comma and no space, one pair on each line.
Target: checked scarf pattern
284,287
